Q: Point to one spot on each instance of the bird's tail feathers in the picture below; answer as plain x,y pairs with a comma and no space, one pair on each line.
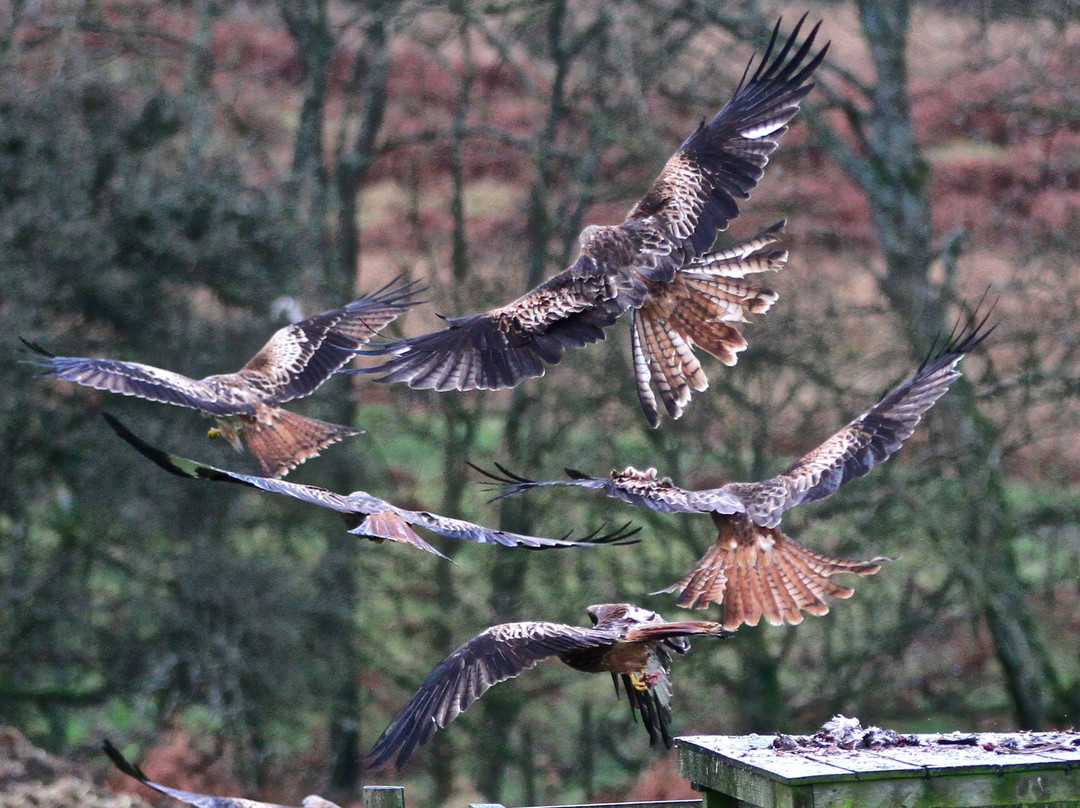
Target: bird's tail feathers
655,715
697,310
706,583
665,358
280,440
387,525
771,577
729,261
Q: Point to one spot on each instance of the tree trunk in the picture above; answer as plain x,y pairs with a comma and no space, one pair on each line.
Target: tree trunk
373,63
894,175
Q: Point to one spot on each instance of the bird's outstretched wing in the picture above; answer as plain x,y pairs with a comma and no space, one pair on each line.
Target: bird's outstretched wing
502,347
298,358
193,798
495,655
143,381
675,222
642,488
868,440
293,363
367,515
697,192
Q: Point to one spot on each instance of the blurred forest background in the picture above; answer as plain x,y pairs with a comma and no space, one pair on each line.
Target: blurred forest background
179,179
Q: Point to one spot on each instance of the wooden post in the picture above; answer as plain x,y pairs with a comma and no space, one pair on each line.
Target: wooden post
384,797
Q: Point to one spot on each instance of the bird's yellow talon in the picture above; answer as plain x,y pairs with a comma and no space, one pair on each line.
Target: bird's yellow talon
637,679
213,432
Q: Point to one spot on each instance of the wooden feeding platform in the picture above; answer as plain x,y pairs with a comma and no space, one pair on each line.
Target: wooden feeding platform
970,770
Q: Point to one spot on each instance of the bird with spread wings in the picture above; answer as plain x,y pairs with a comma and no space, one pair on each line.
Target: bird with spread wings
292,364
367,515
633,644
753,569
656,264
201,800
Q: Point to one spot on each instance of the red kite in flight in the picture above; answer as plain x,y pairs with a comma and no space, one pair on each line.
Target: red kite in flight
364,514
655,264
633,644
294,363
753,569
201,800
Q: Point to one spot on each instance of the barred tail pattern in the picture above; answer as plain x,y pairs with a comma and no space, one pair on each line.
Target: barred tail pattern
280,440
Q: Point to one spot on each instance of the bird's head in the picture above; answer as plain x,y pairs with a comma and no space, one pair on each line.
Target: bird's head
607,612
631,476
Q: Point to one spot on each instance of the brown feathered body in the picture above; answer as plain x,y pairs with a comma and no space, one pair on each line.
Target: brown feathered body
752,568
656,264
633,644
244,404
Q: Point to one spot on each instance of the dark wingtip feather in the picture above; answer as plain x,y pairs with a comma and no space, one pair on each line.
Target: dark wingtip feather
33,346
122,763
620,536
396,293
159,457
967,334
506,482
511,476
174,464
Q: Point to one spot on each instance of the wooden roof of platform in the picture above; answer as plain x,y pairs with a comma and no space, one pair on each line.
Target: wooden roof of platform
924,771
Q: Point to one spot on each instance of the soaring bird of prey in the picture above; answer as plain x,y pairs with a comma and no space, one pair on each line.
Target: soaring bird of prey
655,264
367,515
201,800
633,644
753,569
294,363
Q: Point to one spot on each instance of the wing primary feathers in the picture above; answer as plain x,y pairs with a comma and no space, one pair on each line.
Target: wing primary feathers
619,536
506,483
496,654
194,798
179,466
779,71
33,346
122,763
159,457
509,484
396,293
966,335
506,477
